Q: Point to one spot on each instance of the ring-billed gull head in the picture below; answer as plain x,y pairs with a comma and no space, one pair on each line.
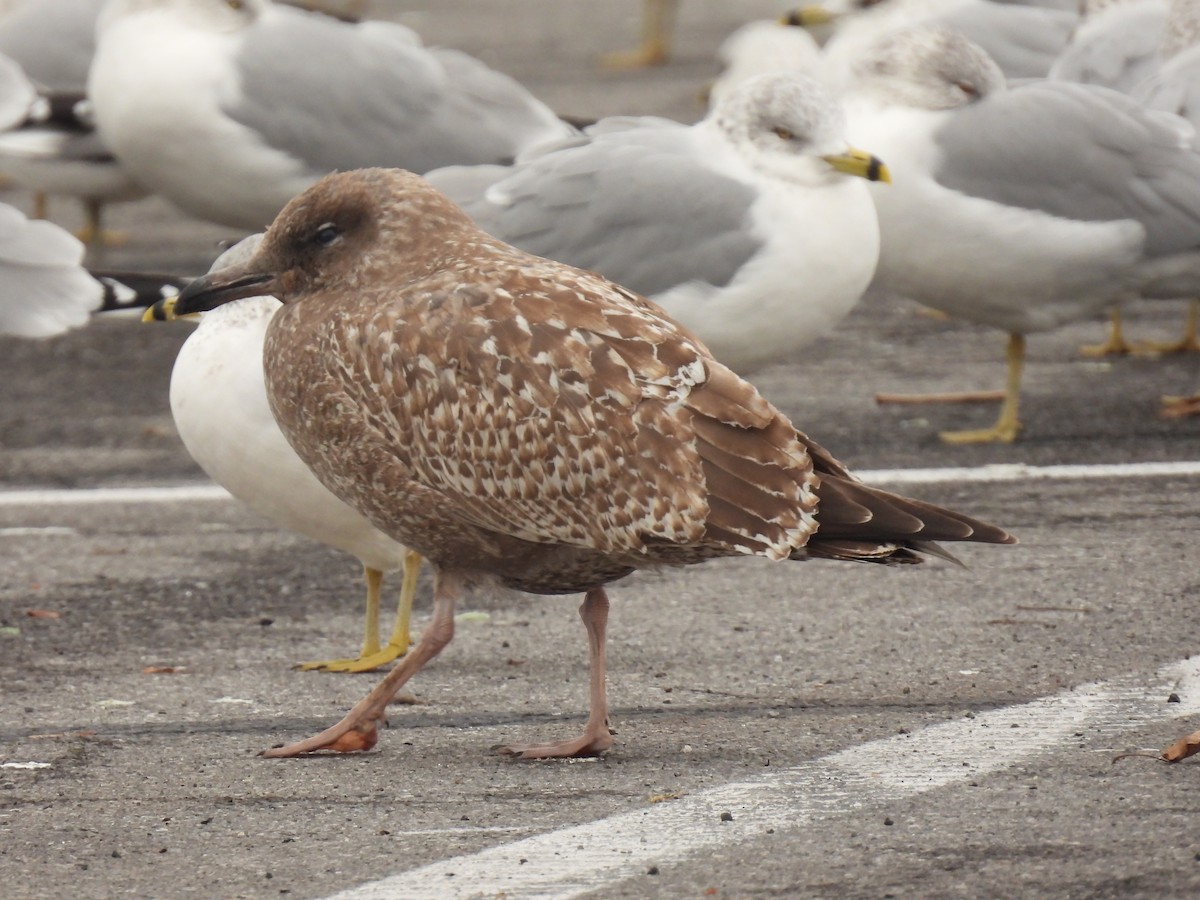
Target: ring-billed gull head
928,68
790,126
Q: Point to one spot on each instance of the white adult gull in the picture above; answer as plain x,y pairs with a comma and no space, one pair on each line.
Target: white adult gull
1021,208
44,288
1175,88
1023,40
750,227
764,47
1117,44
219,403
56,151
260,100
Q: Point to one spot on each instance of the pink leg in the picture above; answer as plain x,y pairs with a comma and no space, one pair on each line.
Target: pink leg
357,731
596,737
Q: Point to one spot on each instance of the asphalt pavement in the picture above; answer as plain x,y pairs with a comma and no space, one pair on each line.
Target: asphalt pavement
147,643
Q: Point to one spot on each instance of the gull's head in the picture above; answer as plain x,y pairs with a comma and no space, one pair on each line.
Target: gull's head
348,231
790,126
926,68
212,15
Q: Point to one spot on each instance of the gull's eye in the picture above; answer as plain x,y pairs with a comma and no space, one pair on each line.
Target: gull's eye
969,89
327,234
784,134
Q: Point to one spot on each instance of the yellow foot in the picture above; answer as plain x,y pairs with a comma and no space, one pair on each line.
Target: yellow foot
1180,407
368,662
1188,344
653,53
105,237
1000,433
1114,345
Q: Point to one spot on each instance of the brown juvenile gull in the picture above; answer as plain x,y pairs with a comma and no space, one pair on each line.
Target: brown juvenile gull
515,418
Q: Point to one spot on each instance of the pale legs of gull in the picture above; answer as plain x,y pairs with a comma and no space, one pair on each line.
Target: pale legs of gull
658,23
358,730
373,655
1113,345
1116,344
93,234
1189,343
596,737
1007,425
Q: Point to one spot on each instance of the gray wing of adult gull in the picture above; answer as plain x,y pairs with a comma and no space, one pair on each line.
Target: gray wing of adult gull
372,95
1023,40
628,201
1118,48
53,40
1175,87
1079,152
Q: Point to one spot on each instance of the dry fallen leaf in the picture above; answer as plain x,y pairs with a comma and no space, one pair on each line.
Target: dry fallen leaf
1182,748
666,795
163,670
43,614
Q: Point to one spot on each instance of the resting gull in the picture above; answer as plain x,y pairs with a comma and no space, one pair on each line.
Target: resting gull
219,403
261,100
750,227
1025,208
1118,44
515,418
764,47
44,288
1023,40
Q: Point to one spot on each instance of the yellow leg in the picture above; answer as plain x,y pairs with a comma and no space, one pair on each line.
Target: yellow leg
1180,407
658,22
1115,344
373,655
1008,425
93,234
1189,343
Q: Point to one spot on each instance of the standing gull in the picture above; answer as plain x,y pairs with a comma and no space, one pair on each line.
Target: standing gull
58,153
514,418
752,228
219,403
261,100
1026,208
1173,89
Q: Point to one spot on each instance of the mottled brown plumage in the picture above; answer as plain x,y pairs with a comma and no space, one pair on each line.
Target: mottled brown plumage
512,417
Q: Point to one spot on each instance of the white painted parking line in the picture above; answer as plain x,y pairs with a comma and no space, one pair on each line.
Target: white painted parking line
182,493
951,475
1021,472
574,861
